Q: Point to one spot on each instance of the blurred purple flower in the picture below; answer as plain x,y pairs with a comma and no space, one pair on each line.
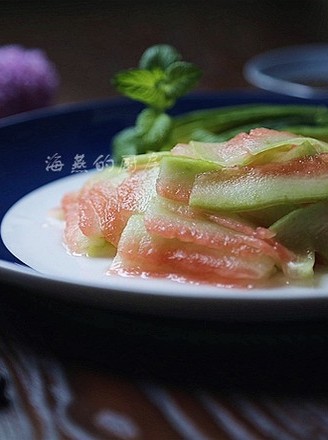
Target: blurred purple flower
28,80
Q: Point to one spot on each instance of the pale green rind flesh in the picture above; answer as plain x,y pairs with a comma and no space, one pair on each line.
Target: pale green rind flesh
267,151
177,175
305,229
249,192
143,160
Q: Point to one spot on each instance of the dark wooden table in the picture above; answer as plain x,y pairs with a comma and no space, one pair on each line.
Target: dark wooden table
75,372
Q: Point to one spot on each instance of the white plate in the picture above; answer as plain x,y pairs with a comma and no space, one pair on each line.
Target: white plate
32,233
29,193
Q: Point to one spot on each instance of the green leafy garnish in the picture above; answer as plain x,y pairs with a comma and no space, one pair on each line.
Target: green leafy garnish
160,79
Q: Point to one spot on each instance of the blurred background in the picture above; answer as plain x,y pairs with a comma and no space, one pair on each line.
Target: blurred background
89,41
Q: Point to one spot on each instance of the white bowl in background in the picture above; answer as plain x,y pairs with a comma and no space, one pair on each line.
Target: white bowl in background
300,71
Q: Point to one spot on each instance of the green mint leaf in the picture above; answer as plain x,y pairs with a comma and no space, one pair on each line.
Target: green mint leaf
144,86
181,78
145,120
154,129
161,78
160,57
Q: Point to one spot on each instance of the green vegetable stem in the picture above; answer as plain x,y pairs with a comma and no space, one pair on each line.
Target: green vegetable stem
162,78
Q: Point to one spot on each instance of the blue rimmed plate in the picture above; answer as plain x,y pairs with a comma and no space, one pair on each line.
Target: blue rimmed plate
39,154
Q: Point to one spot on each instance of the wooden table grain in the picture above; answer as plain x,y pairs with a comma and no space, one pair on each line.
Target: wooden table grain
74,372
